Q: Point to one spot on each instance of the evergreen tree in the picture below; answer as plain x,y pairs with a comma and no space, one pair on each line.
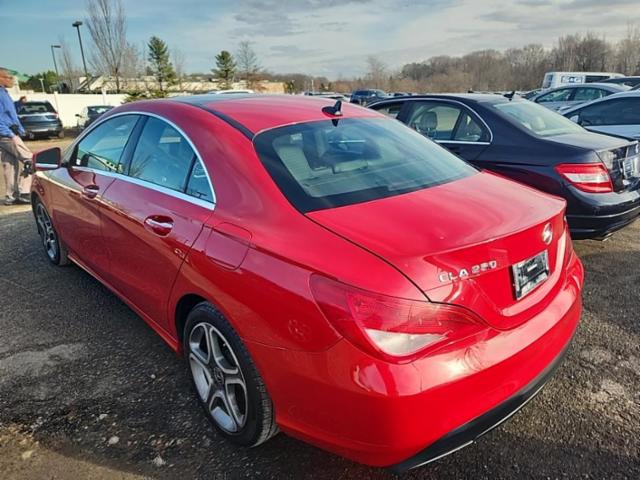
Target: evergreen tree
160,66
226,69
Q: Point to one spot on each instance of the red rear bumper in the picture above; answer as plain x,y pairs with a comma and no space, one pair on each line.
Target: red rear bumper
385,414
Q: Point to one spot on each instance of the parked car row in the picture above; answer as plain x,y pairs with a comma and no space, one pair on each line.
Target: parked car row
40,119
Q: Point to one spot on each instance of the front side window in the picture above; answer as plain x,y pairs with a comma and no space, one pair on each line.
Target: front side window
102,148
446,122
535,118
561,95
163,156
319,165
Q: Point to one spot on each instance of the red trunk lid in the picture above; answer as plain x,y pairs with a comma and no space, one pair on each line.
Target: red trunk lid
447,238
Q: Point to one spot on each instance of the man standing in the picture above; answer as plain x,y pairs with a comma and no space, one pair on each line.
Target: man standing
12,149
21,101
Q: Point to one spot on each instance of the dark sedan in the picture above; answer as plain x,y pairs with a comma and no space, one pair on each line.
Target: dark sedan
90,114
40,119
598,175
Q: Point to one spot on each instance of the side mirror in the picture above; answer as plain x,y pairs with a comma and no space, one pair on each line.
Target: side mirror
48,159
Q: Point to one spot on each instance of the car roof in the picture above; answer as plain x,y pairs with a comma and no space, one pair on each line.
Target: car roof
252,113
466,97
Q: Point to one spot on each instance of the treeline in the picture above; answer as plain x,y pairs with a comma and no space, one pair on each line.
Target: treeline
515,68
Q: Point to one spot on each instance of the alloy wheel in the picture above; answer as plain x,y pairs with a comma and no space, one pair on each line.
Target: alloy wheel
218,377
47,233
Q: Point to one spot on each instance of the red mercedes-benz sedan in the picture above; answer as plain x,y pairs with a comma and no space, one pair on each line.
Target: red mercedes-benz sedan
325,270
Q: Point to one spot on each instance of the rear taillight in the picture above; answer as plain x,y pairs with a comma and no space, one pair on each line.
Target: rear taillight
588,177
394,329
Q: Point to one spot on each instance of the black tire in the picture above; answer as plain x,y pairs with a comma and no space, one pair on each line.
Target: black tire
60,134
54,248
259,417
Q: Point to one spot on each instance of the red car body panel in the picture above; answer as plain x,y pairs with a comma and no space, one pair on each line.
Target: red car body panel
252,256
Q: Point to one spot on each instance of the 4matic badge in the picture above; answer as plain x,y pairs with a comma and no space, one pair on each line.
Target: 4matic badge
446,277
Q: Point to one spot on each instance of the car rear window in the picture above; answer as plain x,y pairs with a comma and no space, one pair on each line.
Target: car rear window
332,163
535,118
99,110
36,107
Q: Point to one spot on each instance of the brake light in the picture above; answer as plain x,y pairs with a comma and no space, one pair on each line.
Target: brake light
394,329
588,177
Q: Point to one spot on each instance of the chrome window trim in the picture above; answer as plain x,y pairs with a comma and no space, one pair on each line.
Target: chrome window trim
462,142
144,183
151,186
449,100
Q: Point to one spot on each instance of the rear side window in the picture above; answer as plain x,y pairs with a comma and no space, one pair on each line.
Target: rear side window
321,165
163,156
102,148
198,184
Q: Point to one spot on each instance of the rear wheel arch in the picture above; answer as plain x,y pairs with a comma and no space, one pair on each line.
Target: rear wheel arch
184,306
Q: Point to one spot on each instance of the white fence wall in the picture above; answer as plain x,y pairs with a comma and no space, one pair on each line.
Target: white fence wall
68,104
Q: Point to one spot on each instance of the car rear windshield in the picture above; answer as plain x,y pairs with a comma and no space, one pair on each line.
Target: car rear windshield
536,118
36,107
332,163
99,110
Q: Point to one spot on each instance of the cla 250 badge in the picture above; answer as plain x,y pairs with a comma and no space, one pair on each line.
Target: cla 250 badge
445,277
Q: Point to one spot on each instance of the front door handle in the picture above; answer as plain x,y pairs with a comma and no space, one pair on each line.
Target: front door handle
158,224
90,191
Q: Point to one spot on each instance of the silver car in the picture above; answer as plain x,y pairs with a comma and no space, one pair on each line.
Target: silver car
617,114
562,98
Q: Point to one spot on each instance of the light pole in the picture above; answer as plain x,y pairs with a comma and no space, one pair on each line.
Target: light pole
55,65
41,83
77,24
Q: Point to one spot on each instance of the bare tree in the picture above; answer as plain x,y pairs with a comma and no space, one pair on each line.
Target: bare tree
107,25
376,72
178,65
132,66
247,63
68,68
628,52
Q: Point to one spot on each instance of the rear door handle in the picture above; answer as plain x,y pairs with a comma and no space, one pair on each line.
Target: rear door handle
90,191
158,224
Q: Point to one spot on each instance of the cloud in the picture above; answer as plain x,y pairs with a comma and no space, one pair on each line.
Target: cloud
322,37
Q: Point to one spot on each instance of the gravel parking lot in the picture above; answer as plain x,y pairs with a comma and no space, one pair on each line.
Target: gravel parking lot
87,390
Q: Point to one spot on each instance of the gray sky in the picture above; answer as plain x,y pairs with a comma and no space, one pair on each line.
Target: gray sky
320,37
